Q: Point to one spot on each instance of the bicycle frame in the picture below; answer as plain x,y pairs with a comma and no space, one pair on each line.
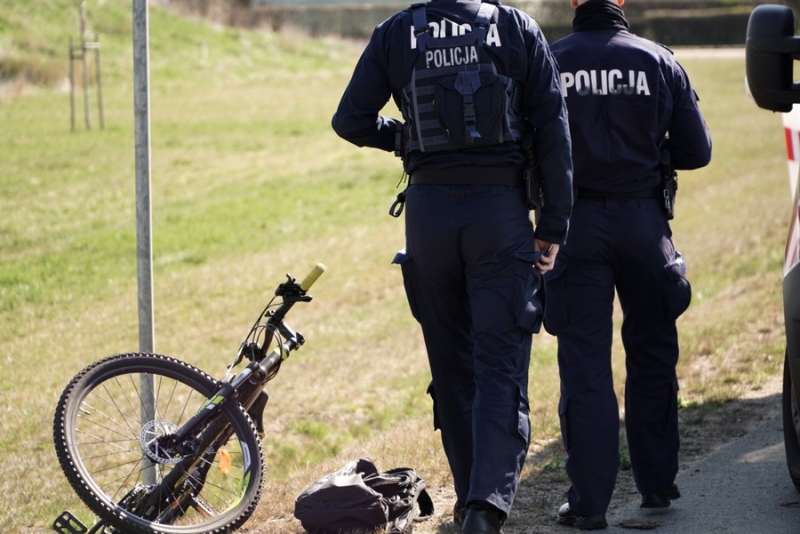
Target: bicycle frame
194,435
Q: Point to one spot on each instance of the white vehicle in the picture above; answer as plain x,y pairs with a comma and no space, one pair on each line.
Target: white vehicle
771,50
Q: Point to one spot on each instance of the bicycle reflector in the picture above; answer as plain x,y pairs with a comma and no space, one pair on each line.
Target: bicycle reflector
224,462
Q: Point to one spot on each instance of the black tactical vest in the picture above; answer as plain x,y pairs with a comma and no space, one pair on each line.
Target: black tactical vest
456,98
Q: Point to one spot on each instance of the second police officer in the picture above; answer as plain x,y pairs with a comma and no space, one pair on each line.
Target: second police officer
632,113
470,78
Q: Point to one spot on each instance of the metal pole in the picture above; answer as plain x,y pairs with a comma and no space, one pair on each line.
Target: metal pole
144,252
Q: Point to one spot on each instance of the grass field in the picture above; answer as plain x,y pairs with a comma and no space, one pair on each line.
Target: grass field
249,183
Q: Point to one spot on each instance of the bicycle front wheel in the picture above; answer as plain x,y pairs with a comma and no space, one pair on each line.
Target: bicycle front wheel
109,428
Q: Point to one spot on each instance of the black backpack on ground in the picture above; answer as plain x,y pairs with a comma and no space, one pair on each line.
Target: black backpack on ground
359,498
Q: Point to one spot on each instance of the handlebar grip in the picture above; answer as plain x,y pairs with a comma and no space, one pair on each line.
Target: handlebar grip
311,277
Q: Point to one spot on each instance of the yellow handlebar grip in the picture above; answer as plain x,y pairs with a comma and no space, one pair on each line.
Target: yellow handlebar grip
311,277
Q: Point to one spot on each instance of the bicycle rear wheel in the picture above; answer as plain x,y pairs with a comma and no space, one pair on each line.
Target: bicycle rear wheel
106,438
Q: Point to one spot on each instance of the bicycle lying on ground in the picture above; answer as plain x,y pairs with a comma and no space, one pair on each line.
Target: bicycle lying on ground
152,444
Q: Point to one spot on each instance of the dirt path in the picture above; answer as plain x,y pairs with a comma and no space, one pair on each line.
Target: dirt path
704,429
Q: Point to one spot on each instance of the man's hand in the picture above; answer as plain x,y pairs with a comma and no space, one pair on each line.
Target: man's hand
549,252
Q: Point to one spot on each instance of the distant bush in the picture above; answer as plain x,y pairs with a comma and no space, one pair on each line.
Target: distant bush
38,71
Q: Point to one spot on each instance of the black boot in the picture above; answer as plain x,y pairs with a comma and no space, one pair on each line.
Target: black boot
660,500
482,520
569,518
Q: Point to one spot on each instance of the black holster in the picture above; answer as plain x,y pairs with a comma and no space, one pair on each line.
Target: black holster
532,173
669,185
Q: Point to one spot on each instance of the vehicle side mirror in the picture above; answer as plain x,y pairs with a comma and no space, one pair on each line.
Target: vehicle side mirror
770,50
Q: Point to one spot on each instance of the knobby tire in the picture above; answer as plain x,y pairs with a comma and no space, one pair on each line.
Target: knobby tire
100,435
791,425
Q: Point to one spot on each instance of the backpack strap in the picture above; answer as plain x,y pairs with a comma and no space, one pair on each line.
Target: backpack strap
419,18
409,478
483,19
425,505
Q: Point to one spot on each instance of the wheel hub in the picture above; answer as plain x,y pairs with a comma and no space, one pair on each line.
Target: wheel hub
153,442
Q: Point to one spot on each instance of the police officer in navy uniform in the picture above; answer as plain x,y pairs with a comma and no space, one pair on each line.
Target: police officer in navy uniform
631,111
470,79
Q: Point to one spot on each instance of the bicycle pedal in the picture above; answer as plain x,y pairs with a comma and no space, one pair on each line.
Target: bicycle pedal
67,523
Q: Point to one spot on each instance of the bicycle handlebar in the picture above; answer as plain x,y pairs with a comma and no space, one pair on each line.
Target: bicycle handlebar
292,293
312,276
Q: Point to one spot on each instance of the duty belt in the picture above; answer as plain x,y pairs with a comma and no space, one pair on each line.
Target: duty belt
467,176
652,192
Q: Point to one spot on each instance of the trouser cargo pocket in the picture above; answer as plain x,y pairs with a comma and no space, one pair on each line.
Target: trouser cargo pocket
405,261
676,292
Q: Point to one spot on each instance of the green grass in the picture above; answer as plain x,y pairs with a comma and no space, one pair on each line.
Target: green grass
249,183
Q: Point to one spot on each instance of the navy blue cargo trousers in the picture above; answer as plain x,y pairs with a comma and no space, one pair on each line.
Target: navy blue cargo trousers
622,244
470,282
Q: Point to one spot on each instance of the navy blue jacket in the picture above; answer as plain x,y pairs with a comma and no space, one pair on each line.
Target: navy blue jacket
519,51
625,94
